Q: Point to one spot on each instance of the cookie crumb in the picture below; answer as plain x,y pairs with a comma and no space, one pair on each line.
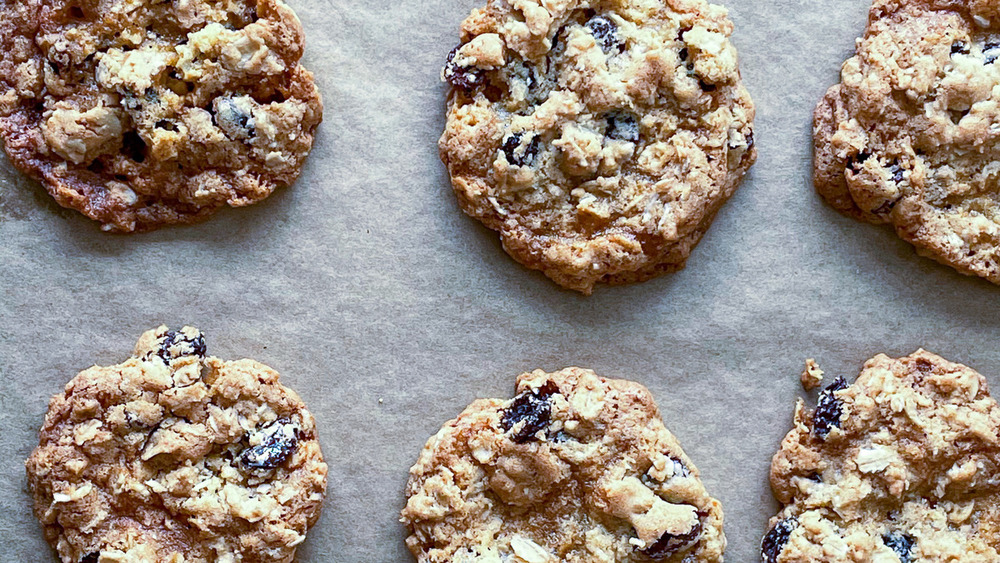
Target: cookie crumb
812,376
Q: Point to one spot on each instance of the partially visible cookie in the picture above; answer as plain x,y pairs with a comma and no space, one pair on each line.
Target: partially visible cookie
145,113
575,468
911,135
599,138
175,456
902,466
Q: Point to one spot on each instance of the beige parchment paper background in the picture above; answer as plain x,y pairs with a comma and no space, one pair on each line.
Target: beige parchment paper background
389,311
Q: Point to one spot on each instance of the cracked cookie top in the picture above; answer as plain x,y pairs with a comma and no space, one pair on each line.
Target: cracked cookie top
145,113
575,468
179,457
598,137
910,135
901,466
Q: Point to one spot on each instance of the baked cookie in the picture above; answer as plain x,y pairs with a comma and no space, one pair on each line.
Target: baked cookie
911,136
599,138
176,457
902,466
141,113
575,468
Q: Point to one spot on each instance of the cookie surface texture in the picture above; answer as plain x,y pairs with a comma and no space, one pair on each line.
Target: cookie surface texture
903,465
598,138
143,113
173,456
910,135
575,468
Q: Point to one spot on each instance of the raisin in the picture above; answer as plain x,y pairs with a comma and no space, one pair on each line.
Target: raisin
855,162
828,409
464,77
685,57
605,33
991,52
235,117
177,344
533,408
776,538
669,544
513,143
897,171
92,557
750,139
280,440
623,126
900,543
959,47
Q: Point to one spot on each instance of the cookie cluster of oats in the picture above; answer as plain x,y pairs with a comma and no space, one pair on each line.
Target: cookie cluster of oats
175,455
143,114
598,138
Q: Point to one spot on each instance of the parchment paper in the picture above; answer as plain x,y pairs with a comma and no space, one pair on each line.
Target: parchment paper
389,311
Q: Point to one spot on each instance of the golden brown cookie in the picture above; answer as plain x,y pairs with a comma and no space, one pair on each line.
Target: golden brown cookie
599,138
901,466
176,457
575,468
911,135
145,113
